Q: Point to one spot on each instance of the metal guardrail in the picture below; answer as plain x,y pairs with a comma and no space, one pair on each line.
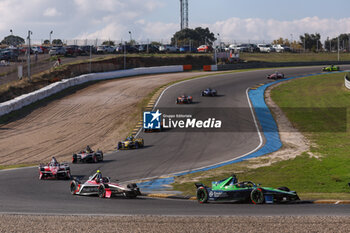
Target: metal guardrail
347,80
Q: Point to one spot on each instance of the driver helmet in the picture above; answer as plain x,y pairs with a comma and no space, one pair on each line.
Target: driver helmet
88,149
98,175
54,161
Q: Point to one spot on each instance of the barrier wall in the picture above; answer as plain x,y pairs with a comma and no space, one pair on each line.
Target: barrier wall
347,81
26,99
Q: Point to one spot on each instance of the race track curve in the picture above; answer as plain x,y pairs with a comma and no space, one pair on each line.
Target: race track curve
165,153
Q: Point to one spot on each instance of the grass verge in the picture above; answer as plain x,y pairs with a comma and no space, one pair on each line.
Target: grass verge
3,167
323,176
293,57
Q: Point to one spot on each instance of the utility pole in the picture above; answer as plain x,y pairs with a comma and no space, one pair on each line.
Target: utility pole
124,55
50,37
338,50
28,54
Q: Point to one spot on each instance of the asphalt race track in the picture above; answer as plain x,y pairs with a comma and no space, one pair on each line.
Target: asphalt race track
165,153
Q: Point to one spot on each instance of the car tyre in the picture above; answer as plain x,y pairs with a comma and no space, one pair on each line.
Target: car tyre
73,187
102,191
74,160
257,196
137,145
94,158
119,145
129,195
202,195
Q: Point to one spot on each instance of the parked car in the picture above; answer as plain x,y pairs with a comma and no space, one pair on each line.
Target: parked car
168,49
8,55
265,48
204,49
57,51
243,48
102,49
187,49
281,48
85,49
72,50
37,49
128,49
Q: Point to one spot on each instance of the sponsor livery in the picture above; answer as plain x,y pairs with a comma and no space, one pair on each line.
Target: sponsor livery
331,68
209,92
276,75
131,143
54,170
184,99
103,187
88,155
230,189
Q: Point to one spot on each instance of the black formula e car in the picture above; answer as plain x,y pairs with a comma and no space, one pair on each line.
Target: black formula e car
230,189
88,155
103,187
209,92
54,170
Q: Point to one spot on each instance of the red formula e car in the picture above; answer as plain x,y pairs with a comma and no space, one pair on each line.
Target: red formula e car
276,75
54,170
88,155
103,187
184,99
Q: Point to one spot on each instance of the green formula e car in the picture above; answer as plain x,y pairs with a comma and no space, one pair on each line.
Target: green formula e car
230,189
331,68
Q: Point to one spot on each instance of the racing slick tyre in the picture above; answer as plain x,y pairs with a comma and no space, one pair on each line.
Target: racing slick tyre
119,145
73,187
94,159
257,196
137,145
284,189
202,195
68,176
101,191
74,160
129,195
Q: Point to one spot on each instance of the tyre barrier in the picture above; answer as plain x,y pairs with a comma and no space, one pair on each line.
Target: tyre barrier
26,99
347,80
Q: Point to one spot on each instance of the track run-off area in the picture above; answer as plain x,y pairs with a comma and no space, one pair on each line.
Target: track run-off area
164,153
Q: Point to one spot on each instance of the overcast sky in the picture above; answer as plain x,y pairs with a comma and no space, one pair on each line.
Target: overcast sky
158,20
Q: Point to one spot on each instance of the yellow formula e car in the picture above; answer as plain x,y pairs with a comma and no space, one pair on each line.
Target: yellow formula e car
131,143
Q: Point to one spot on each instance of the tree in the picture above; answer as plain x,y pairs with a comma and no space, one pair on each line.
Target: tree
332,44
196,37
108,42
46,42
282,41
311,42
156,43
57,42
13,40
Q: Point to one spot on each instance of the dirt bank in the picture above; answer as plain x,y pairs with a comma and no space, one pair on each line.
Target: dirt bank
98,115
